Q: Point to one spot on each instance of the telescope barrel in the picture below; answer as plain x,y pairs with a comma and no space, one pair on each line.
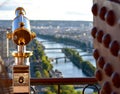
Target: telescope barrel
20,20
22,34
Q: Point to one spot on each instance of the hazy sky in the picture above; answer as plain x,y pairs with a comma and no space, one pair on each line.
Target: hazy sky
48,9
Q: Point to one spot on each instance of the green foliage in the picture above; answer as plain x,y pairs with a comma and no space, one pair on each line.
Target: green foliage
38,74
54,88
37,49
68,89
49,92
51,89
88,68
38,56
35,68
79,92
46,74
46,63
64,89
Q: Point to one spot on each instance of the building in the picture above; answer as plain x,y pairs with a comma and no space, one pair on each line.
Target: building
3,44
6,48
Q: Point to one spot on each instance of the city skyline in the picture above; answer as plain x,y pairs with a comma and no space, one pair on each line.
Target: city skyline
48,9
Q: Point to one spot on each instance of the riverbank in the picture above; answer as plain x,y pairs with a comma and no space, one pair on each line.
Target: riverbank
87,68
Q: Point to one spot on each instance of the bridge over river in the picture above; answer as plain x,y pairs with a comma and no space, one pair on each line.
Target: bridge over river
51,50
65,58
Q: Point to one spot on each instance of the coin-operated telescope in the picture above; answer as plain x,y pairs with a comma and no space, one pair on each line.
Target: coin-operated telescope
21,35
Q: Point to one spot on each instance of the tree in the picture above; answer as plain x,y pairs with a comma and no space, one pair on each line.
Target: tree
68,89
46,74
49,92
46,63
38,74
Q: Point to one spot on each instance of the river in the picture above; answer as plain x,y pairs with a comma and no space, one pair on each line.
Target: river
67,69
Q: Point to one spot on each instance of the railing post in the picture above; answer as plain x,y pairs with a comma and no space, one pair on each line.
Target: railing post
58,88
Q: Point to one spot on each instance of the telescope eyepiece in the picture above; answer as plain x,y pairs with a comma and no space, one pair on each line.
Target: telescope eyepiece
21,41
20,11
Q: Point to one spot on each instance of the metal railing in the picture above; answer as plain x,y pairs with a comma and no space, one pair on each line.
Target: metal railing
84,82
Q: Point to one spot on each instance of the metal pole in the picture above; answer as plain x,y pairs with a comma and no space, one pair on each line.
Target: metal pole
58,88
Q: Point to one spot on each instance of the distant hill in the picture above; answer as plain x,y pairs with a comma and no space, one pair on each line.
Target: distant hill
5,23
59,23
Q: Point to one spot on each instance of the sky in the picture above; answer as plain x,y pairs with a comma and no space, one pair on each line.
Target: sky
48,9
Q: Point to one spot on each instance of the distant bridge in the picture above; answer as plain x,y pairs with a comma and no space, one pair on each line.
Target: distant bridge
53,52
60,48
43,41
47,42
65,58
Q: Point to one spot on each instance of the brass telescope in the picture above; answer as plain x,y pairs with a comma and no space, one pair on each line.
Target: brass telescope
21,35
